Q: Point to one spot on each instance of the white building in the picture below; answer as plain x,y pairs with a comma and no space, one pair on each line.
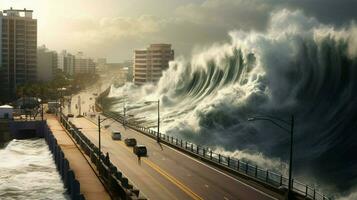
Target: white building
83,65
66,62
149,63
6,112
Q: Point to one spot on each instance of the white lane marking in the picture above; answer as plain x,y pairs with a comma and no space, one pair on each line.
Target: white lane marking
261,192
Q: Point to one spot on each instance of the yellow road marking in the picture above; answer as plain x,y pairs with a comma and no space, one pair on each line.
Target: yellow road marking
158,183
161,186
169,177
173,180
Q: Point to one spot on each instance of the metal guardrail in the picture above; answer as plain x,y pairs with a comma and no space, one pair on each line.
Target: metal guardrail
273,179
117,184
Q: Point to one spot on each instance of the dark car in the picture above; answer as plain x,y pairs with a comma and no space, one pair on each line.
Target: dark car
70,115
130,142
140,150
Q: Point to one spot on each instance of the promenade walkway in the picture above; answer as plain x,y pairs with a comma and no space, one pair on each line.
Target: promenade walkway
90,185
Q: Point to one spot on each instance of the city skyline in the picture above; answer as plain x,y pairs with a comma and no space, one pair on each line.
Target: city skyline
114,29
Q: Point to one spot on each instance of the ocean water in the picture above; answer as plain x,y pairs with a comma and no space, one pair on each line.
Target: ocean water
297,66
27,171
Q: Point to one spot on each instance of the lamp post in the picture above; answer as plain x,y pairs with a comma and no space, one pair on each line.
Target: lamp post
274,120
99,127
124,112
61,97
42,103
158,118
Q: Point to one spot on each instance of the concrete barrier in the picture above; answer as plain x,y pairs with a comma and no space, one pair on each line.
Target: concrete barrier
70,182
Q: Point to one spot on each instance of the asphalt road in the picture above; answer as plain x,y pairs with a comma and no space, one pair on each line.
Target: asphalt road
165,173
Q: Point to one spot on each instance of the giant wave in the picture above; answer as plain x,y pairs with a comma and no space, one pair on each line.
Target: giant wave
298,66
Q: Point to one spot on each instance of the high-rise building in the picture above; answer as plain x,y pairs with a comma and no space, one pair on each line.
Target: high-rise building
83,65
46,64
66,62
149,63
101,64
18,50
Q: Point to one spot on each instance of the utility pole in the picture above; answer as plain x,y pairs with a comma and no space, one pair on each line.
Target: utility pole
70,104
60,102
42,104
275,121
99,142
99,132
124,110
79,105
291,157
158,120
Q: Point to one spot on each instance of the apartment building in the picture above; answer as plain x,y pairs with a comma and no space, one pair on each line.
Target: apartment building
66,62
18,46
47,64
84,65
151,62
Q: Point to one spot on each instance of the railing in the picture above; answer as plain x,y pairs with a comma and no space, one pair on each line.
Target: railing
273,179
114,180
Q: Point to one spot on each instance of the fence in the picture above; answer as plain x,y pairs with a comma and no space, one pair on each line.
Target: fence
273,179
117,184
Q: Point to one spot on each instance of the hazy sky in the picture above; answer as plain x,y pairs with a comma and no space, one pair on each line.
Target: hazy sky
113,28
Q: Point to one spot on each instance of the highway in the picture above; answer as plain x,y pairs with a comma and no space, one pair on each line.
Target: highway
166,173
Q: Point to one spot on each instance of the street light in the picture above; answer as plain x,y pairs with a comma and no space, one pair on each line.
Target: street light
41,101
61,97
158,118
99,141
124,110
274,120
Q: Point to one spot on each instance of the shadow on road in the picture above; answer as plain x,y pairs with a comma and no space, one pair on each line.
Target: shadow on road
139,160
160,146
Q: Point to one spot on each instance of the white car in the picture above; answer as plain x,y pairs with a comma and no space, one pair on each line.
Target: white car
116,135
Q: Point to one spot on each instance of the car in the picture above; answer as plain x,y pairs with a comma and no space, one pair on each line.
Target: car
107,126
140,150
130,142
70,115
116,135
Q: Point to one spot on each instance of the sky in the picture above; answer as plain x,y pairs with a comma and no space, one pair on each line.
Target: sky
114,28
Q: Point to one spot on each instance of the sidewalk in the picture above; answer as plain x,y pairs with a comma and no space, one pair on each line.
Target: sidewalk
91,187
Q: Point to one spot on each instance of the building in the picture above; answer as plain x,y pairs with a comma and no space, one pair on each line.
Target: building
101,61
46,64
102,64
18,46
6,112
149,63
83,65
66,62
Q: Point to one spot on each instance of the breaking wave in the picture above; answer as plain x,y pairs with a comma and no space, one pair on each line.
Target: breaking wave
27,171
298,66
